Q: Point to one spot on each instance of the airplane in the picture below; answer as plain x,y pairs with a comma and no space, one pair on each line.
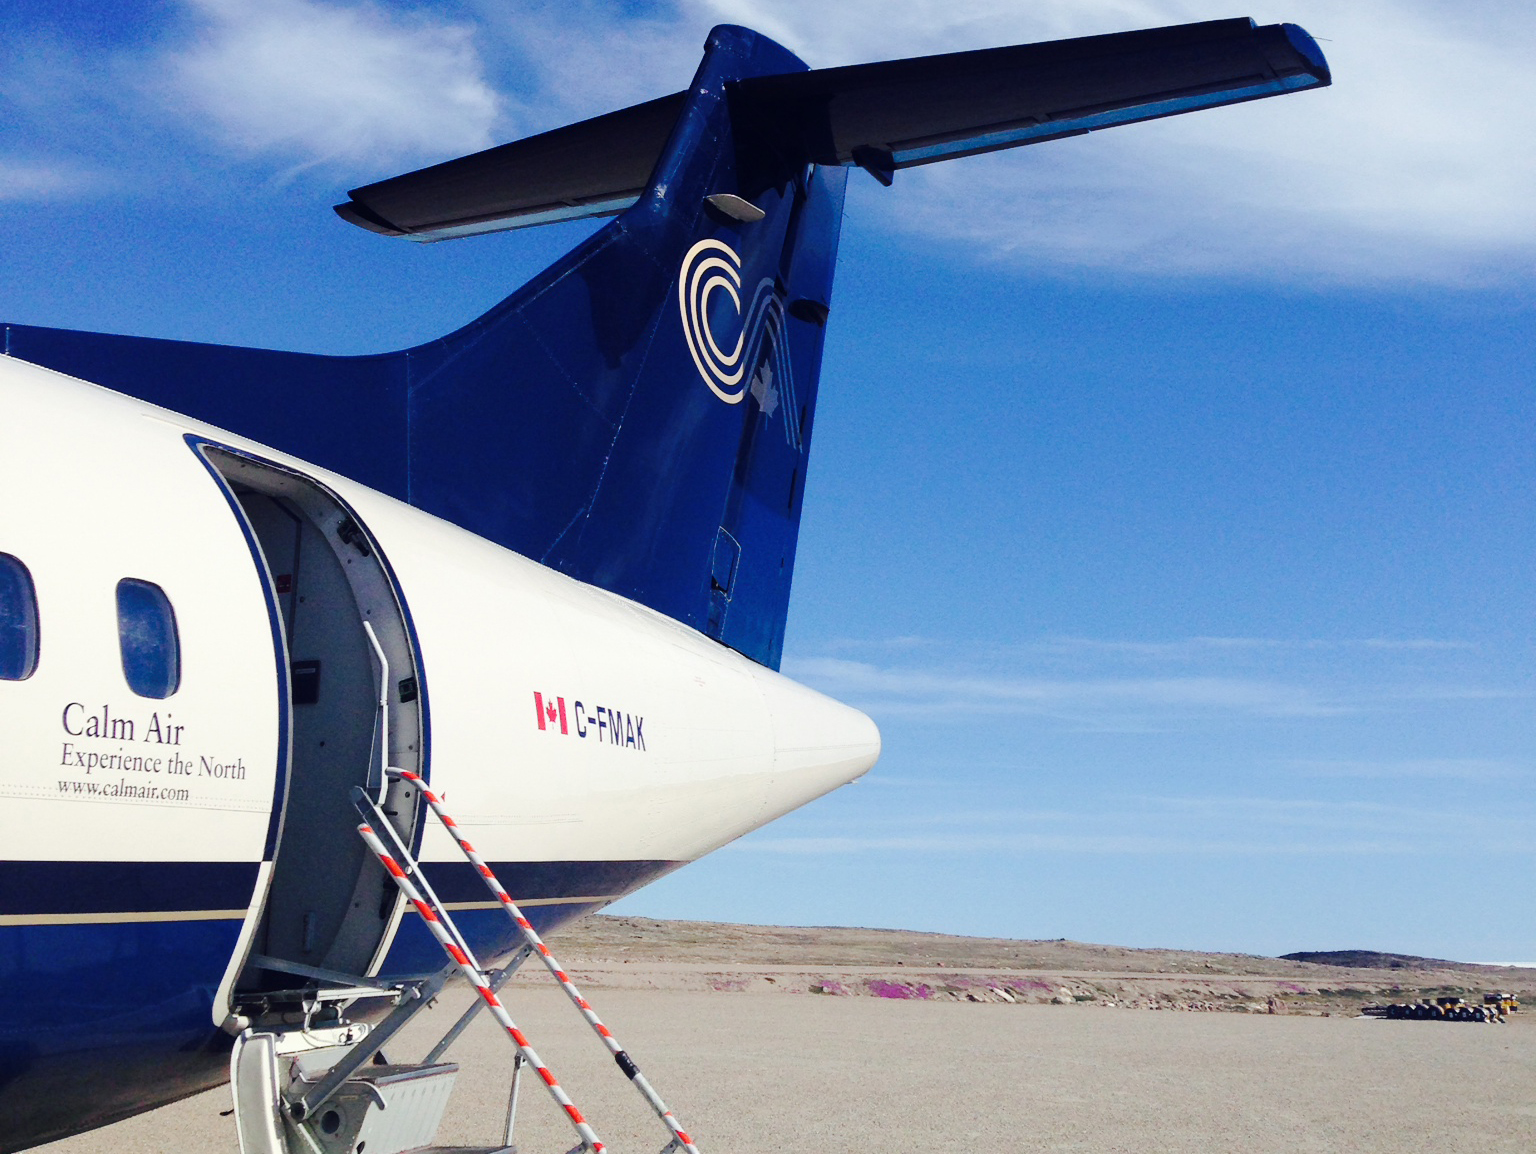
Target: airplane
539,566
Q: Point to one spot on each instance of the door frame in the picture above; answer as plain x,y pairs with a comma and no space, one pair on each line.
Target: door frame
217,457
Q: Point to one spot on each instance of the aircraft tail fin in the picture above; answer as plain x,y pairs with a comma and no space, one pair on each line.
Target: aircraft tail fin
639,415
675,359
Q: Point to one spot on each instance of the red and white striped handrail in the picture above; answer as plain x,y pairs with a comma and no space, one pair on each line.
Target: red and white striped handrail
530,935
471,970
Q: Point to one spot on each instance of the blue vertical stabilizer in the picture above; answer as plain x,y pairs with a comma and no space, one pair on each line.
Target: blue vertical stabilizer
639,416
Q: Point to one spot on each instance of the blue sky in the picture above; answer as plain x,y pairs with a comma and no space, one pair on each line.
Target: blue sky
1170,505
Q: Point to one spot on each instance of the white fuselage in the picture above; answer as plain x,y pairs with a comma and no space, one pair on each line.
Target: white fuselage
646,740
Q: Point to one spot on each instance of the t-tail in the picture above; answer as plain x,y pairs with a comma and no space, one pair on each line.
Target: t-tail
639,416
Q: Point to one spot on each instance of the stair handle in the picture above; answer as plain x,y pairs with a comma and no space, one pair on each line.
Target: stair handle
382,716
376,818
470,968
680,1137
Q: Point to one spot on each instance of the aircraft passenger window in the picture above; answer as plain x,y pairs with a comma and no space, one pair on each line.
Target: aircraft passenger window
18,620
146,630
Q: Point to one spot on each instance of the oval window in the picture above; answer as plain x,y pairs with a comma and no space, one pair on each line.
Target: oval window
18,620
146,630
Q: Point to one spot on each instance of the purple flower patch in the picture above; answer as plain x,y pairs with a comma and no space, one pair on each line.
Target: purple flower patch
884,989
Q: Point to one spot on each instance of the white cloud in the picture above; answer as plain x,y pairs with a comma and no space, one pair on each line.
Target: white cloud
1067,844
1026,843
1182,649
22,180
1175,825
860,30
567,54
967,693
1417,165
1133,685
320,82
1418,768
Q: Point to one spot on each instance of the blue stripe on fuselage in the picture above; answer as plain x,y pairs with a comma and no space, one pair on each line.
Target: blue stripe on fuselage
82,887
102,1021
490,932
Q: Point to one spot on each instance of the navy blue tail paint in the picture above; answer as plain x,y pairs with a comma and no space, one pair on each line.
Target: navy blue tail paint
596,420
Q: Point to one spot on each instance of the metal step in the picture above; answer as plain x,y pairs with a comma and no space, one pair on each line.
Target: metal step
385,1109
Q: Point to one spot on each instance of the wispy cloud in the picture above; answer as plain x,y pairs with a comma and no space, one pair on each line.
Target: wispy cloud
24,180
1415,167
1175,650
1126,825
311,83
921,691
1207,646
1128,684
1420,768
1062,844
565,55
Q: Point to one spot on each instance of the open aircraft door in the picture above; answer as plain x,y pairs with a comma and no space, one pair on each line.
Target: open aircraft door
353,706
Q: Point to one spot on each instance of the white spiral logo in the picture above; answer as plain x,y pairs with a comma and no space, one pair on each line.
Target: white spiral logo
712,266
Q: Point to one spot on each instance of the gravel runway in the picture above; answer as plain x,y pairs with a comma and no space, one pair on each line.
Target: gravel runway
786,1074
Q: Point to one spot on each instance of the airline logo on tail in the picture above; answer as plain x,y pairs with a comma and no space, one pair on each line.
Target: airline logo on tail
710,267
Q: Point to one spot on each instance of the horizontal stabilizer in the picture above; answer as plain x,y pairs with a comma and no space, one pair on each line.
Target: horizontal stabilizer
910,112
881,117
595,168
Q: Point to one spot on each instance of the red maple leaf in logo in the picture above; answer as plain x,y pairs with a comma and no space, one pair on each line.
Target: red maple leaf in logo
550,713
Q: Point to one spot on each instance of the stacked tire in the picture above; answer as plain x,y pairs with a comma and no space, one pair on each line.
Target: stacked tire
1424,1012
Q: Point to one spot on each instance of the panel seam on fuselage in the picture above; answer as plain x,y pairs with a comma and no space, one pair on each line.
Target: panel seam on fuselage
530,902
122,916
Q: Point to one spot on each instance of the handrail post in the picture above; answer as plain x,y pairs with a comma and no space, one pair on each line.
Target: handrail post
382,784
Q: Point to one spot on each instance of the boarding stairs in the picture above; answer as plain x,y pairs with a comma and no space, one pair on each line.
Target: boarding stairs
321,1084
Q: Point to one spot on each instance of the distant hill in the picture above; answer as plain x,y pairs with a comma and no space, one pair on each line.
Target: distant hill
637,940
609,951
1370,960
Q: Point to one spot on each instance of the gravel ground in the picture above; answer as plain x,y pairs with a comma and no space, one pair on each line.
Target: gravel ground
751,1073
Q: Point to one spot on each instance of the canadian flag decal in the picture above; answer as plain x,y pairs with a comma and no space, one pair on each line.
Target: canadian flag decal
551,712
581,719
